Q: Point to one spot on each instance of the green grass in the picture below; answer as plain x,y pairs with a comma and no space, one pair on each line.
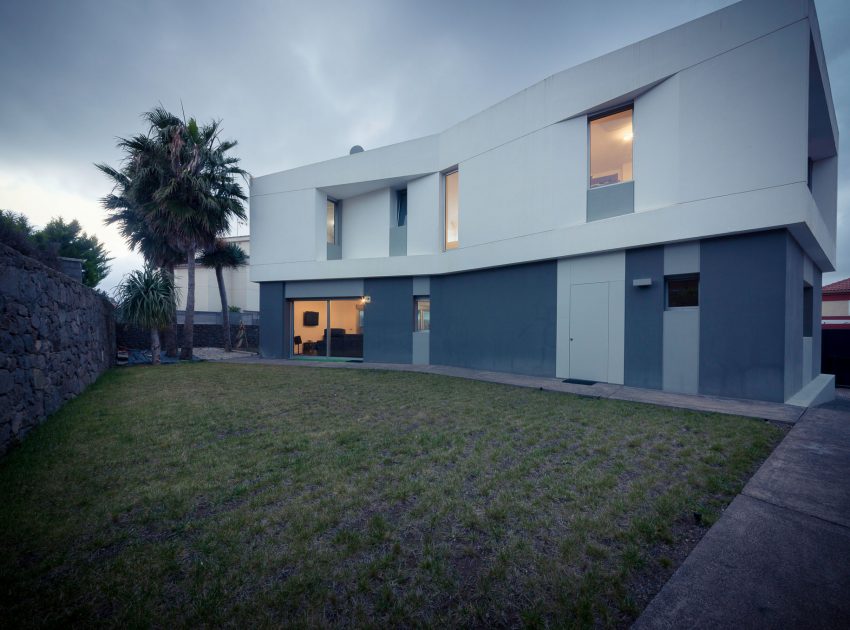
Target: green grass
214,494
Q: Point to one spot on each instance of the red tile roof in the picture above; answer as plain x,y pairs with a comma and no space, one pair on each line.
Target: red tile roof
842,286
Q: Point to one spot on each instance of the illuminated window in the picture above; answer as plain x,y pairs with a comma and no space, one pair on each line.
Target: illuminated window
332,231
422,313
611,140
451,210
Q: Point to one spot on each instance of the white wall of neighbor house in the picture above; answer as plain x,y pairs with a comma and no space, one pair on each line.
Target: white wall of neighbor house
604,271
366,225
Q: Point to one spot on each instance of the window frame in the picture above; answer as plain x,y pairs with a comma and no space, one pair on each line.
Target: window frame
604,114
416,300
335,203
399,195
446,174
680,276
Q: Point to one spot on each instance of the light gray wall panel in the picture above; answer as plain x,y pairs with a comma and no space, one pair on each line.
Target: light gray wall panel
681,258
681,351
398,240
324,289
610,201
421,347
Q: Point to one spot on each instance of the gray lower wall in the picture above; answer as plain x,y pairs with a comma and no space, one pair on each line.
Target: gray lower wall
274,327
742,315
56,338
817,313
497,319
644,331
388,322
794,316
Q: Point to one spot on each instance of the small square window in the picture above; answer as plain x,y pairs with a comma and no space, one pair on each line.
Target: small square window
683,291
422,313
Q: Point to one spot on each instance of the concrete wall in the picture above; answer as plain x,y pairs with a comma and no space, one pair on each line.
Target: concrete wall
499,319
388,321
205,336
57,337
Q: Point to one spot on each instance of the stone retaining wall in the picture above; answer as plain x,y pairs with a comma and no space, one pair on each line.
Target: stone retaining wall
205,336
56,337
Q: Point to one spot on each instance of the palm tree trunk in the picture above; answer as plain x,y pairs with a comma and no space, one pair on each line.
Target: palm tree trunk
189,320
154,346
170,332
225,311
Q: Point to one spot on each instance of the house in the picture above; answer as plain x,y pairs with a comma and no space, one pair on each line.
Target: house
658,217
241,292
835,322
836,305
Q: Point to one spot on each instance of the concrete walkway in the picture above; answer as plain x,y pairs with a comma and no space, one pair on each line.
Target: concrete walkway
779,557
750,408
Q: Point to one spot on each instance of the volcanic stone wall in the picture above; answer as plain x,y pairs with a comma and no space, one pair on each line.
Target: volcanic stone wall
57,337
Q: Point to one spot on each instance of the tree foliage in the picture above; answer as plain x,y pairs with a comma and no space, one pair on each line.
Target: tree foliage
146,298
57,238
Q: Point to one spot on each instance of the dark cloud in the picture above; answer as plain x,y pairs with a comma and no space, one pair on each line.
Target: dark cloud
299,82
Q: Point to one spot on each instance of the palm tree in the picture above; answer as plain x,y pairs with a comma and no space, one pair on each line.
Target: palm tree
184,183
140,235
224,255
146,299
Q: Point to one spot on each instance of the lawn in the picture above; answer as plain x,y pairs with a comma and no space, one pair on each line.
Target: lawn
246,495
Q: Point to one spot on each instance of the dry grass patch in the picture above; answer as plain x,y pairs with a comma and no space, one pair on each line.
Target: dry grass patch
218,494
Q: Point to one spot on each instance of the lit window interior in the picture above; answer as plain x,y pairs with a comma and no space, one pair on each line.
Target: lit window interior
451,210
611,140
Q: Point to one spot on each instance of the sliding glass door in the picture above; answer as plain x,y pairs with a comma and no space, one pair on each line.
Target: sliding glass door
327,328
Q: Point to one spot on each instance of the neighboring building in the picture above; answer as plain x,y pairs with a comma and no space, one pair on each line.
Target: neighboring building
835,322
836,305
241,291
659,216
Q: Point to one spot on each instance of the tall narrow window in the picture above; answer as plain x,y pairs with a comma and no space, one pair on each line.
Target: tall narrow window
401,208
332,229
451,210
611,140
422,313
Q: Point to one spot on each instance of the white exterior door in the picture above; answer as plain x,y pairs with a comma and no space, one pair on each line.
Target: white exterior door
589,331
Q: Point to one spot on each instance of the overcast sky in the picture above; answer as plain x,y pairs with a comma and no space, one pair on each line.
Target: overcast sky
297,82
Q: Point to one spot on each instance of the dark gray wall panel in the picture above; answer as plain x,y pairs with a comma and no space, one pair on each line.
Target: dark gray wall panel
644,334
816,319
388,323
610,201
497,319
274,326
794,312
742,315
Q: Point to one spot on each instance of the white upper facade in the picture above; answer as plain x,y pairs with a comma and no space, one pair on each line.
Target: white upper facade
729,111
